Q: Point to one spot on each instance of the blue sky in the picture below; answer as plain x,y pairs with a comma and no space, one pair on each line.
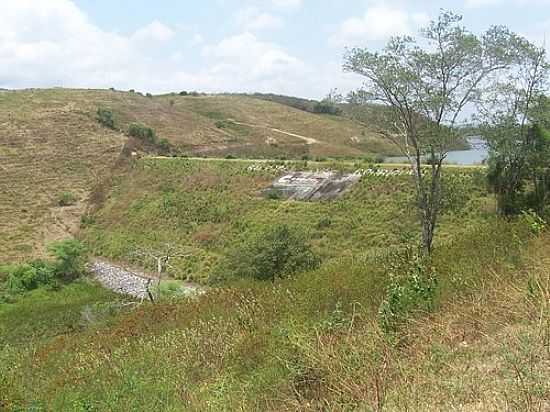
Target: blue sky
284,46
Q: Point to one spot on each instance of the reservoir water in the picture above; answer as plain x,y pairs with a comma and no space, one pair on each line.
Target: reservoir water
476,155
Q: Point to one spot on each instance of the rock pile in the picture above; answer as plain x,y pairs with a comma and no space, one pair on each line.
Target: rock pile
120,280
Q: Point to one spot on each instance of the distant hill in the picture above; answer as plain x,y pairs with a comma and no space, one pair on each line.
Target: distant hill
51,145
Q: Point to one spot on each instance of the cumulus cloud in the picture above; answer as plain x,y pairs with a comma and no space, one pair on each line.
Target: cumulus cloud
252,19
53,43
378,23
155,31
287,4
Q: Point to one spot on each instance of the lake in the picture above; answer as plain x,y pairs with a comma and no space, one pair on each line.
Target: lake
476,155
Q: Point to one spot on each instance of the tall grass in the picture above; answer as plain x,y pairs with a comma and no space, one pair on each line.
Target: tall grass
310,343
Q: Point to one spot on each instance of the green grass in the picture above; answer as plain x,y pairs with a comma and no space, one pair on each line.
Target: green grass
208,206
308,343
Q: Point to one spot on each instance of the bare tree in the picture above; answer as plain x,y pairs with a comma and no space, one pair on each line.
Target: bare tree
161,258
425,86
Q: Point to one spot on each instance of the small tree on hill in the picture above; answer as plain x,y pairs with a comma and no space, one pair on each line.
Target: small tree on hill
426,85
272,253
105,117
161,258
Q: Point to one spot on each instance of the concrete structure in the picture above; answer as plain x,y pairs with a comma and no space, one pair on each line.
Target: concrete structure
311,186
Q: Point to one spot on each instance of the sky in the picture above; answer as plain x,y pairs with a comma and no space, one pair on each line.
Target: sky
292,47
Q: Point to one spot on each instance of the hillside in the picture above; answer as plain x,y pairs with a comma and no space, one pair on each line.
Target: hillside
51,144
206,205
374,327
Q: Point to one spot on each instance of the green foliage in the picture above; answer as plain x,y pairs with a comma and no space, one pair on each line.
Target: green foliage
274,252
26,277
534,222
326,107
412,287
68,265
164,145
142,132
105,117
519,169
70,259
66,199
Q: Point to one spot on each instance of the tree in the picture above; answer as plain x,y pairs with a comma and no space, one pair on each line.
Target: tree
70,258
105,117
513,121
161,257
426,85
273,252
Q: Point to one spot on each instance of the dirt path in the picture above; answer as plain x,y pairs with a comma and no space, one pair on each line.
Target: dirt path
308,140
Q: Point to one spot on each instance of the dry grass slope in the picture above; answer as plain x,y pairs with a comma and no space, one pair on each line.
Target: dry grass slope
50,142
47,147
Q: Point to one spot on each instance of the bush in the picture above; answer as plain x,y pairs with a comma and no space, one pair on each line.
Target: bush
105,118
412,287
326,107
149,95
70,259
275,252
534,222
27,277
183,93
164,145
142,132
66,199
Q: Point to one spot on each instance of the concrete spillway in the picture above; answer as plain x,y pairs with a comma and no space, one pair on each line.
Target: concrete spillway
312,186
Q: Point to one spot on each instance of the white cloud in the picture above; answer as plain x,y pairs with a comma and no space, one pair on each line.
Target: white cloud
155,31
53,43
378,23
252,19
253,59
287,4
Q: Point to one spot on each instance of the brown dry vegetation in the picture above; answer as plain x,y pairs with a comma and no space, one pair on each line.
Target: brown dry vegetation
50,142
48,146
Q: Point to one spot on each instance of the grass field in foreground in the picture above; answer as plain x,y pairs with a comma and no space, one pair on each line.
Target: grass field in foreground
309,343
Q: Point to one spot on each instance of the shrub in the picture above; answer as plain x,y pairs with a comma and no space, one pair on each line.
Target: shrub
149,95
412,287
274,252
30,276
183,93
327,107
142,132
534,222
70,259
164,145
66,199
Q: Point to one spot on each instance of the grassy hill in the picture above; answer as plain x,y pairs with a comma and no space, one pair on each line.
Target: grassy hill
208,206
51,144
316,341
